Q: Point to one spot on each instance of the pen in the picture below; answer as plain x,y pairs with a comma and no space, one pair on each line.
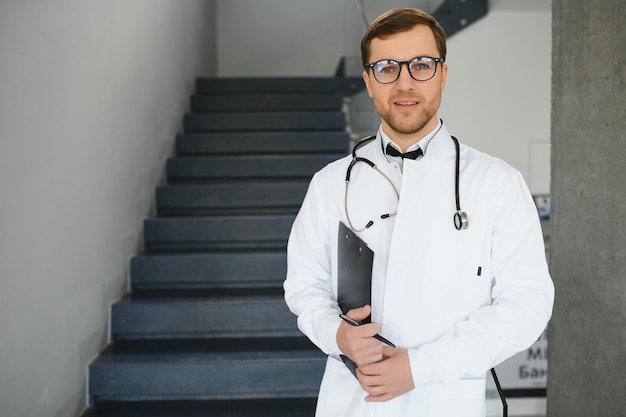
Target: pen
355,323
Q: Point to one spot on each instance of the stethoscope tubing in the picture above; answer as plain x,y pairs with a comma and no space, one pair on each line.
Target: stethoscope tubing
460,218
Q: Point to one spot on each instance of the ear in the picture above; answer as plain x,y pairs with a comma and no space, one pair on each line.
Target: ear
444,76
366,79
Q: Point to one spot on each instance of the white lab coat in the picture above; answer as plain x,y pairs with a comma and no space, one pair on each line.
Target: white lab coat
427,292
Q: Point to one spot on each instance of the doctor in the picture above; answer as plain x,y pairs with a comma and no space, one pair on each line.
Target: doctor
454,302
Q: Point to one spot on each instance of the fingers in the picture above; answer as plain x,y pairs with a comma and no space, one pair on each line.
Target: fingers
360,314
379,386
356,341
387,379
376,386
389,352
363,349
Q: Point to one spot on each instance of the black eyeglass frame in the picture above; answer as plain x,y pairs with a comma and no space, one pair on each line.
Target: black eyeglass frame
408,66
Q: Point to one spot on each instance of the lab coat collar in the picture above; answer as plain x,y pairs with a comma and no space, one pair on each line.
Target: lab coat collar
434,145
422,143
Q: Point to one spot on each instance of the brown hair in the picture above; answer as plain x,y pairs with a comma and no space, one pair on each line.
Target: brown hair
400,20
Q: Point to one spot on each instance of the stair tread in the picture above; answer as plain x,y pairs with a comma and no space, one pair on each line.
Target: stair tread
220,220
274,407
165,353
224,270
221,103
153,373
243,158
195,296
257,115
194,256
240,162
244,183
190,346
165,315
230,198
272,142
225,229
229,167
207,190
265,121
234,85
190,257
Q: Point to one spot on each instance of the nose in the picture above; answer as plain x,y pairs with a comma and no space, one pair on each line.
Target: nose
405,80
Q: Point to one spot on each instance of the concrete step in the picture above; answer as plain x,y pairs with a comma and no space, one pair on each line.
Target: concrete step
267,232
266,102
229,167
271,407
236,198
192,316
265,121
205,330
346,86
212,271
161,371
225,143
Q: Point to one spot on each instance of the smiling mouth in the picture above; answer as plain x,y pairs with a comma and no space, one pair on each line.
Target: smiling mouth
406,103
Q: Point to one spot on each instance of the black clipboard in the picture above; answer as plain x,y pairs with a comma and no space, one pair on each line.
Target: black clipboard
354,271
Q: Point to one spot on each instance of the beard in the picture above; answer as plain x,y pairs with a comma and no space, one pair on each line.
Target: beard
408,123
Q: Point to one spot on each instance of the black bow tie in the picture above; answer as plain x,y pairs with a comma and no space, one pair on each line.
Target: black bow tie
391,151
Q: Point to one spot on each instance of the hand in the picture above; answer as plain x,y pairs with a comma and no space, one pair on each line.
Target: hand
389,378
356,342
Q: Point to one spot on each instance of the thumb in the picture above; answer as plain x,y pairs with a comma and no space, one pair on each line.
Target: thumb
360,314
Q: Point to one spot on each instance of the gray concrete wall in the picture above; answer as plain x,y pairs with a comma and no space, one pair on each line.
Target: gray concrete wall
91,97
587,350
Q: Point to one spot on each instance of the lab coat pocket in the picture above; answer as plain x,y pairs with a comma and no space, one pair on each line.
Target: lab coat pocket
459,259
460,398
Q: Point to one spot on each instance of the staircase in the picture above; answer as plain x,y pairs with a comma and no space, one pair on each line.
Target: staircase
204,330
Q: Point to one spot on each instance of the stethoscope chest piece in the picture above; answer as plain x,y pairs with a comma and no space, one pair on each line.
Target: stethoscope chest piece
461,220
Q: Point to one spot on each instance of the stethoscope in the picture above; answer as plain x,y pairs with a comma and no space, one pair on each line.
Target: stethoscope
460,218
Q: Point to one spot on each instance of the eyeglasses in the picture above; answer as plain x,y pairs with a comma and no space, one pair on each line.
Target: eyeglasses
421,68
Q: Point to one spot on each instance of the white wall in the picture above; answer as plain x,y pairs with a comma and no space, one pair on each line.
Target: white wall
491,102
294,37
497,98
280,37
91,96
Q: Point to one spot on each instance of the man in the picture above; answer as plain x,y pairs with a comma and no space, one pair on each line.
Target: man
455,301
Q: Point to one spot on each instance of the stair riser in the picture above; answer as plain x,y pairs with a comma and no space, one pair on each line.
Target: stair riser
208,271
206,233
262,143
232,167
267,407
264,378
202,318
264,121
265,102
237,198
249,85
